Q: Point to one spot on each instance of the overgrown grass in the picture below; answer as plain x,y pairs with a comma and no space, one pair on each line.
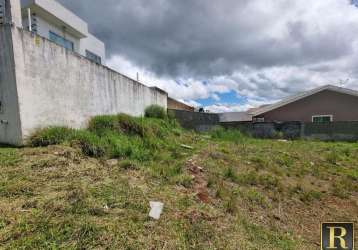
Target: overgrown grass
233,135
155,111
114,136
225,191
50,136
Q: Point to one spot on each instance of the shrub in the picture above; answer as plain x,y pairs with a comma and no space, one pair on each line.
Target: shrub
50,136
155,111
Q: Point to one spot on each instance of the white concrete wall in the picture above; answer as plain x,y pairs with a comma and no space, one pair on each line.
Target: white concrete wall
58,87
10,126
16,12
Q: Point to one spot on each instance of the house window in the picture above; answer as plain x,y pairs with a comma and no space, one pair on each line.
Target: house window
61,41
93,57
2,12
322,118
258,119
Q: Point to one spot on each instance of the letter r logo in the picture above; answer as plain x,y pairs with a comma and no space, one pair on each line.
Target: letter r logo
333,236
337,236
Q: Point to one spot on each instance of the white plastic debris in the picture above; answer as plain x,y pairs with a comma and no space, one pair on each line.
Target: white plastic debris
156,209
283,140
186,146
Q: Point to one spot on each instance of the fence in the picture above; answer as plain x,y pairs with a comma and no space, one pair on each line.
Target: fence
333,131
288,130
196,121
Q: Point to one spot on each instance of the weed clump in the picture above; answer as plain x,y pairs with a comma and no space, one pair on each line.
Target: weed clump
155,111
115,136
231,174
90,144
121,123
50,136
128,165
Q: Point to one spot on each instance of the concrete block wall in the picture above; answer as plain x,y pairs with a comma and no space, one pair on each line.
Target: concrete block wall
43,84
200,122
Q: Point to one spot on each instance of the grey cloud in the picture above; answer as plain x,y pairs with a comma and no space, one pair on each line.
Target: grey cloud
264,50
206,38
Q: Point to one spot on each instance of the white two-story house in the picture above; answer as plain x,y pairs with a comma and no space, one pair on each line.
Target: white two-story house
53,21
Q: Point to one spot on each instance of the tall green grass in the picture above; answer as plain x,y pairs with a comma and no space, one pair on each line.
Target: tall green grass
114,136
50,136
232,135
155,111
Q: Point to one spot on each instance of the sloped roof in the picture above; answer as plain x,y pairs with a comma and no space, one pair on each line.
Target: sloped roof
235,117
302,95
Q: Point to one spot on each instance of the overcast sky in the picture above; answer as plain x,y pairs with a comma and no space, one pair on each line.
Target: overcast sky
228,55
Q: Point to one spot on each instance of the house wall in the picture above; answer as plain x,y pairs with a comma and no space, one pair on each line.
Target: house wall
60,12
44,27
94,45
343,107
174,104
52,16
57,87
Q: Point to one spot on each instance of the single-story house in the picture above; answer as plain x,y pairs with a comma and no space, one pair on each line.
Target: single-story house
324,104
177,105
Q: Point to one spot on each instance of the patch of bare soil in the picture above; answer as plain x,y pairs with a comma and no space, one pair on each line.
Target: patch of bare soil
200,181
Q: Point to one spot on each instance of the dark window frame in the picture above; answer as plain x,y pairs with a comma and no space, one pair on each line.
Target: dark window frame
60,40
93,57
322,118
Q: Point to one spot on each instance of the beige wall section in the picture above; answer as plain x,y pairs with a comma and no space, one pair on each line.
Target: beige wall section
343,107
58,87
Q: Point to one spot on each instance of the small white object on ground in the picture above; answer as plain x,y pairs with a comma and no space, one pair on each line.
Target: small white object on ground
156,209
283,140
186,146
